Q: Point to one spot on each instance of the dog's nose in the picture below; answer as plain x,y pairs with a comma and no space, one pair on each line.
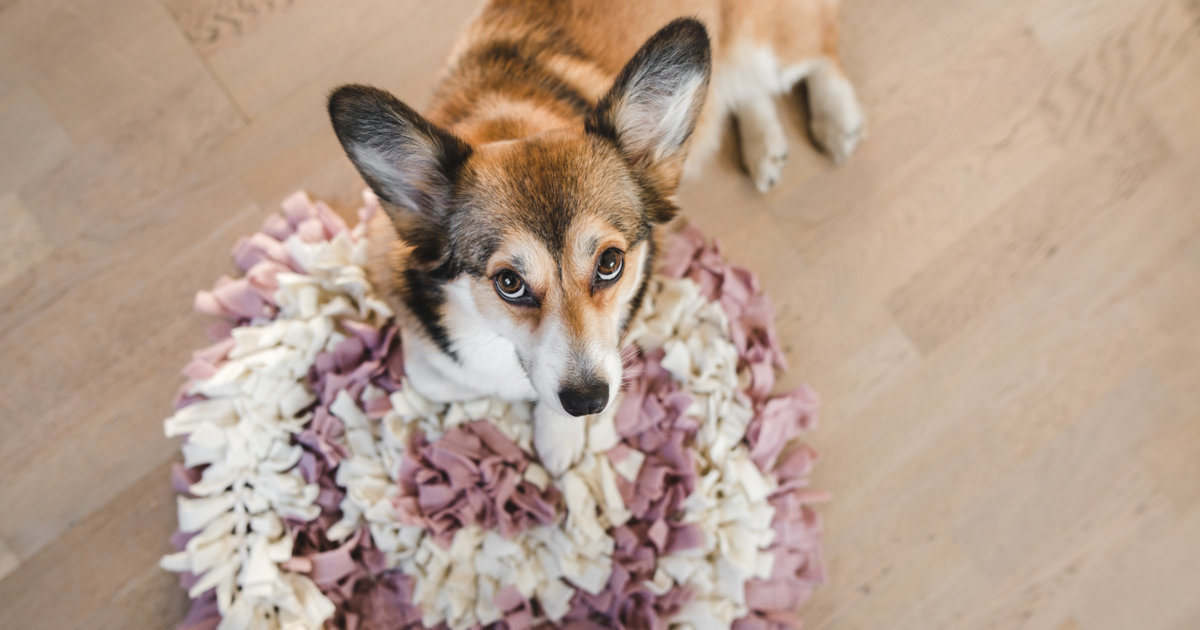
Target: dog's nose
585,399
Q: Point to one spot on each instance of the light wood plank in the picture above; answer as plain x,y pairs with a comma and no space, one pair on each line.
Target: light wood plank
34,141
120,77
8,560
93,570
965,106
214,24
264,67
293,145
37,35
1022,236
23,243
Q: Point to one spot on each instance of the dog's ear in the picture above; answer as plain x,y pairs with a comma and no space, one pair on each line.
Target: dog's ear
409,162
651,110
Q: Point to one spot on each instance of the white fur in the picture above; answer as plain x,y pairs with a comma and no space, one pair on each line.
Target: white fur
549,357
405,169
655,122
764,143
746,83
493,352
559,438
490,365
487,362
837,118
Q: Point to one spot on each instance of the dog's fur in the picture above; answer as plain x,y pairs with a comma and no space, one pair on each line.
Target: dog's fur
555,136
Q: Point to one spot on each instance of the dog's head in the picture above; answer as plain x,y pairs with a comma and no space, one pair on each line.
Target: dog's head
548,239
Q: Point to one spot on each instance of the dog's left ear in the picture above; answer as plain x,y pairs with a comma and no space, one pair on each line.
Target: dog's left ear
651,110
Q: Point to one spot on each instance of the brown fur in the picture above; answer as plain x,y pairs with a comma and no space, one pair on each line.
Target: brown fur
585,44
559,131
530,67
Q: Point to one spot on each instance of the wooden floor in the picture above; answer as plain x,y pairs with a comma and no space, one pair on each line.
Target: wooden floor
998,296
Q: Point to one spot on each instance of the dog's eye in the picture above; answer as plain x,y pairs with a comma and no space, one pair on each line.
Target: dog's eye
610,265
510,286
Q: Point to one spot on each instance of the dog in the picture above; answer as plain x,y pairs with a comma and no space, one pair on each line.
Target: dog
522,209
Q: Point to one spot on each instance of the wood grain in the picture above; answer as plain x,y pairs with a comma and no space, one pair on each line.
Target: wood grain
996,297
93,571
213,24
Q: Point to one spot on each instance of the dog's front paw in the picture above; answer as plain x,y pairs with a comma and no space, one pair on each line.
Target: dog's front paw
837,118
837,135
764,143
558,438
767,169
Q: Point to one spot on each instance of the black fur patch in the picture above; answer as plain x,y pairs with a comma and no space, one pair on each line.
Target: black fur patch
512,67
424,297
657,207
636,303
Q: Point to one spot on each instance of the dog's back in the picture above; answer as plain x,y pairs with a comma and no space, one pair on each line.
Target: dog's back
556,58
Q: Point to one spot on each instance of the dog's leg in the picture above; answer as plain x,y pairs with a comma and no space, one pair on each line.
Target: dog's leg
558,438
837,119
764,143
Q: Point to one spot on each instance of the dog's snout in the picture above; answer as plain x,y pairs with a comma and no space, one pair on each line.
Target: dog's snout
584,399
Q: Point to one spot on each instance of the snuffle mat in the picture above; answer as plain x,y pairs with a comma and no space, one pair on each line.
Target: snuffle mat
319,491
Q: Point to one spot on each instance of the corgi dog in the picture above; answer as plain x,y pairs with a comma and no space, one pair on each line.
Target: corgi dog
522,208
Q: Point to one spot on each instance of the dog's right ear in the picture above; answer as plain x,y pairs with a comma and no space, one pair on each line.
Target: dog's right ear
409,162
